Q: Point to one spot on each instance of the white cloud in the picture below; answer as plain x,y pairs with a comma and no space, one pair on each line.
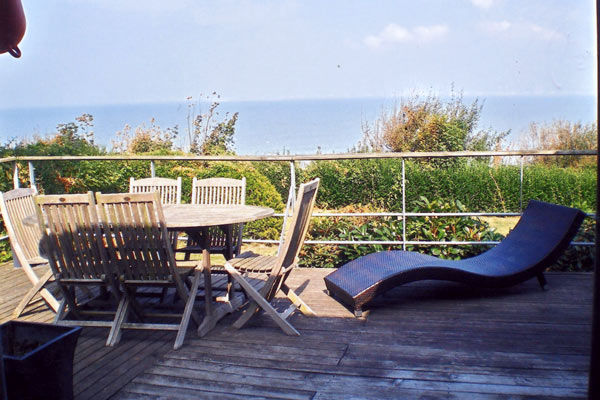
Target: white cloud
545,33
485,4
522,30
394,33
496,26
427,33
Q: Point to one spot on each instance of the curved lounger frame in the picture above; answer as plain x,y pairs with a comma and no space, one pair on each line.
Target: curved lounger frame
541,235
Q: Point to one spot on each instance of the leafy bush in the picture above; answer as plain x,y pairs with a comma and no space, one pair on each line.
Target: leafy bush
579,258
479,187
430,124
278,173
347,182
563,135
390,229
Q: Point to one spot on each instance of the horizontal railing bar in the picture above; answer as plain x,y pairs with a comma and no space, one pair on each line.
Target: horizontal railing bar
395,242
399,214
398,242
413,214
311,157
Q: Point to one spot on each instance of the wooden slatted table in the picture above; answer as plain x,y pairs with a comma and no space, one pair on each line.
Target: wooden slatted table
195,219
191,216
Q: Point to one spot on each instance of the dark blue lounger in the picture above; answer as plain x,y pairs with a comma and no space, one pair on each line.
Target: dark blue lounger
541,235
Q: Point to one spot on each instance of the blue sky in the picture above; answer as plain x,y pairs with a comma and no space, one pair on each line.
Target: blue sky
80,52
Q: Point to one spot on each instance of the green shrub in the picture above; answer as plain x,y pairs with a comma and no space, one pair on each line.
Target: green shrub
476,185
278,173
579,258
390,229
346,182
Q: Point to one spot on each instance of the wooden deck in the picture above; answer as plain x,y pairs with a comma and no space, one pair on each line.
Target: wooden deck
429,340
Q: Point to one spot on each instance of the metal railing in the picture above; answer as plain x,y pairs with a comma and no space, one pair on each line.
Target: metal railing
292,159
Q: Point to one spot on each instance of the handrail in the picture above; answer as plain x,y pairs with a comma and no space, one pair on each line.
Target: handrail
309,157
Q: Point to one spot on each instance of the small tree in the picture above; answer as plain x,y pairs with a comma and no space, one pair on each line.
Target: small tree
145,139
430,124
561,135
208,135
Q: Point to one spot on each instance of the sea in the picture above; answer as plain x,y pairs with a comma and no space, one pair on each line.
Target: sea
288,126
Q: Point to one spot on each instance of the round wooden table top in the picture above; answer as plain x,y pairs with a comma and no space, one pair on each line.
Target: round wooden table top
195,215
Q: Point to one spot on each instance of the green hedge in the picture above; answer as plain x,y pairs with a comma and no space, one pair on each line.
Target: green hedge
477,186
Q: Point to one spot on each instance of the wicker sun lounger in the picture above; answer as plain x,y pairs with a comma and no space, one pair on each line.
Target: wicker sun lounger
542,234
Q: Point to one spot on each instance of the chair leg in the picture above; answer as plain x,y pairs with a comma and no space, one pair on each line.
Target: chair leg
189,305
297,301
31,293
285,326
60,312
251,309
261,302
70,301
114,335
542,280
50,299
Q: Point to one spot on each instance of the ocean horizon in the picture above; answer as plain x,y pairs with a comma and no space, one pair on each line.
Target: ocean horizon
289,126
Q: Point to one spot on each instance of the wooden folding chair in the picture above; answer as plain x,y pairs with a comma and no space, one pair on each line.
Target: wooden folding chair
74,244
276,268
168,189
139,249
218,191
25,241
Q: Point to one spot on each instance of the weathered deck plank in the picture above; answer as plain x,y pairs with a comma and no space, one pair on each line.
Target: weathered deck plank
428,339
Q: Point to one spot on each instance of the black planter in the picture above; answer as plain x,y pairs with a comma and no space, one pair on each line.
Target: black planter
38,360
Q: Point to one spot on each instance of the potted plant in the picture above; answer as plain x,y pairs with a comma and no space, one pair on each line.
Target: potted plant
38,359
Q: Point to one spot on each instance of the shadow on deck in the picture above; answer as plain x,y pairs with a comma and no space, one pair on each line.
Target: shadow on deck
431,340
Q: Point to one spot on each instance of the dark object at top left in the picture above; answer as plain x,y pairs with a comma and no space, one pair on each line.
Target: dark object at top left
12,26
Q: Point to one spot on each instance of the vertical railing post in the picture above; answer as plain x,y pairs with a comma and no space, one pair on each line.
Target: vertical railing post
403,207
152,169
16,183
292,193
289,205
31,174
521,186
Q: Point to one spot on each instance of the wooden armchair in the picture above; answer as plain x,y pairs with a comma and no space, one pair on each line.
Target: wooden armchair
216,191
139,250
25,241
74,245
276,269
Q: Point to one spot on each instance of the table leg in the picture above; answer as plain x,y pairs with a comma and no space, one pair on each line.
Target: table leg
209,321
214,313
228,241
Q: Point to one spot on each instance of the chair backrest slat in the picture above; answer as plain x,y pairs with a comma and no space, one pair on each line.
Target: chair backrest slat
219,191
140,243
168,189
298,227
73,241
15,206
